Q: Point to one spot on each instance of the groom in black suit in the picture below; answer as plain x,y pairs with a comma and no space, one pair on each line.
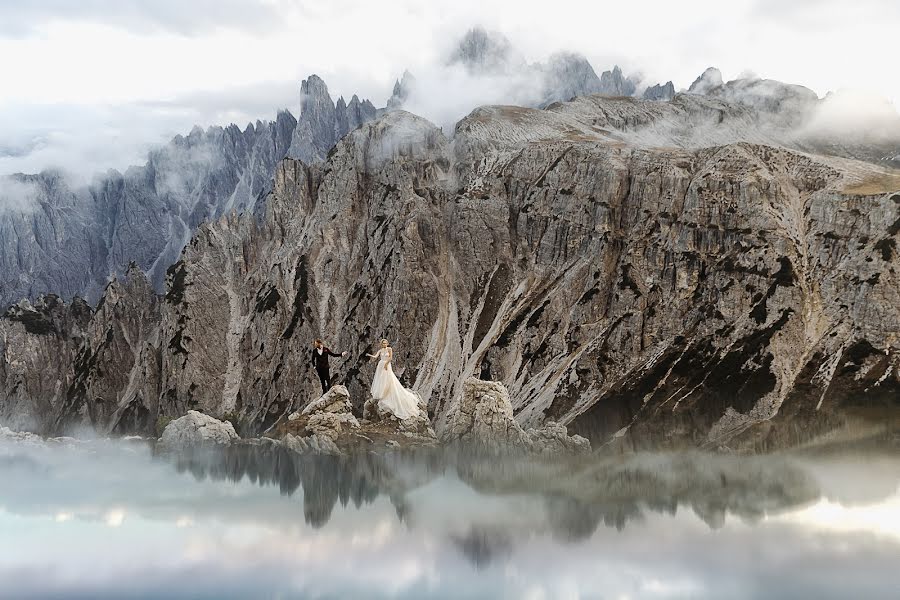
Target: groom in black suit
320,356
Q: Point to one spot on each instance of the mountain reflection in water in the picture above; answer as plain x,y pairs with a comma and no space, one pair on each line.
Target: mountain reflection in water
109,519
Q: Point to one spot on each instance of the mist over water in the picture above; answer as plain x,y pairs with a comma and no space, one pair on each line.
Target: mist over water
106,519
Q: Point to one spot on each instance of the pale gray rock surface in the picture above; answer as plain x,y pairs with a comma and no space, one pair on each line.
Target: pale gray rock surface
615,83
566,76
196,429
403,87
335,400
660,92
484,419
7,435
330,415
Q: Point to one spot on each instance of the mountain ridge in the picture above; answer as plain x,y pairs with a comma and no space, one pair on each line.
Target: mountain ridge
611,284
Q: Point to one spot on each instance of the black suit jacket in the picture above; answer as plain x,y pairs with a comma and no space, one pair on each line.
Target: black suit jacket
320,361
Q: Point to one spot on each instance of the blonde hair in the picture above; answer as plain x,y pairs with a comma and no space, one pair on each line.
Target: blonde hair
384,341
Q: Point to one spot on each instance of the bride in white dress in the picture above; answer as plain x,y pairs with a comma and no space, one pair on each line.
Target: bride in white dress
386,388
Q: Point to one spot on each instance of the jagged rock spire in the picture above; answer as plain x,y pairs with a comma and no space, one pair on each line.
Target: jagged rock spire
710,79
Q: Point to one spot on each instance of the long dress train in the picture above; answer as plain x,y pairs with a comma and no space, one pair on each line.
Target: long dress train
390,393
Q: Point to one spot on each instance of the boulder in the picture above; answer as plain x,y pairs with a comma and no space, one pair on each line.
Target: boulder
8,435
330,415
336,400
196,429
483,419
331,424
417,427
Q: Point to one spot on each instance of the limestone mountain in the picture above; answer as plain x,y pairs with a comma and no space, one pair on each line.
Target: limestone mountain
643,272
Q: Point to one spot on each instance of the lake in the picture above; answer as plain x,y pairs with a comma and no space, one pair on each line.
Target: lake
110,519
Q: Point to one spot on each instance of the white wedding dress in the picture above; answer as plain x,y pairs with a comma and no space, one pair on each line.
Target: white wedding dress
386,388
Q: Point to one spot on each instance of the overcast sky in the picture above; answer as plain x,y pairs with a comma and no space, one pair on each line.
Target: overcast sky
92,84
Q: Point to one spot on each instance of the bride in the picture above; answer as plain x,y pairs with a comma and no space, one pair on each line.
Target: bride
386,388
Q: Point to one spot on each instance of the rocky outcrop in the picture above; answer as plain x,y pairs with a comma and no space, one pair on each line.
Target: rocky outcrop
403,87
659,92
709,80
38,345
328,425
322,122
483,419
566,76
195,430
614,83
330,416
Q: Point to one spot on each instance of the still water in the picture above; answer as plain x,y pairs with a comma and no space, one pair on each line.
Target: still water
106,519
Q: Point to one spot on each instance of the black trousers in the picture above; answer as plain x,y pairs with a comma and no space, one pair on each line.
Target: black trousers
324,379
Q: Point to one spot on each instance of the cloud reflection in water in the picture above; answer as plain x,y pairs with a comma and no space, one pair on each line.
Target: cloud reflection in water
108,520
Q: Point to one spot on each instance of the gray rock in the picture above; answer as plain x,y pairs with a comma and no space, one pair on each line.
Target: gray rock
335,400
322,123
709,80
614,83
568,75
484,419
7,435
330,415
402,89
481,51
660,92
196,429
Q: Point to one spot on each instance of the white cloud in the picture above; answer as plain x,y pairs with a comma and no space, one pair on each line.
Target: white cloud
101,80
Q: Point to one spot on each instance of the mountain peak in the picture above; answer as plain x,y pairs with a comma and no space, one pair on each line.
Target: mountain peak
614,83
710,79
480,50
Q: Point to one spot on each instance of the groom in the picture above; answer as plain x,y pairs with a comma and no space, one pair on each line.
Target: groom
320,356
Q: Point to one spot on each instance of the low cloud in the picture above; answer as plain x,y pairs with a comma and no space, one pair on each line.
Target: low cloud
19,19
855,116
16,195
85,140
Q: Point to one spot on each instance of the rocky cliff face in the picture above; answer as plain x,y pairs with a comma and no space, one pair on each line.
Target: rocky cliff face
619,272
660,92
